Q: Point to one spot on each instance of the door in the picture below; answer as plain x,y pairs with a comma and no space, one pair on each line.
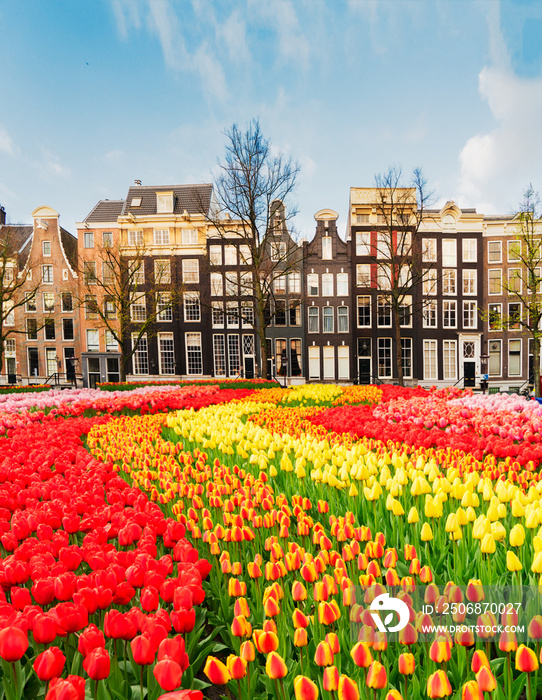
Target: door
329,362
69,364
93,371
249,367
364,370
33,362
470,357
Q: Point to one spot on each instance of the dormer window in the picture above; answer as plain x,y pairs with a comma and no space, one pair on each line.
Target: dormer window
164,202
136,202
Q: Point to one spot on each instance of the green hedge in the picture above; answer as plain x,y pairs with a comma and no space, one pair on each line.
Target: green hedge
24,389
222,384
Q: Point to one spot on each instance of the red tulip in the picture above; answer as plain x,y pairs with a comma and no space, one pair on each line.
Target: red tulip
331,678
471,691
526,660
90,639
70,688
97,664
348,689
13,644
376,676
142,650
168,674
49,664
438,685
275,666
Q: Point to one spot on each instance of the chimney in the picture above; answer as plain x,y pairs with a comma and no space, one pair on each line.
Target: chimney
2,216
137,182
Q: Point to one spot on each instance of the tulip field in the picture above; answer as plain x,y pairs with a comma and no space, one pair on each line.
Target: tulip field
176,542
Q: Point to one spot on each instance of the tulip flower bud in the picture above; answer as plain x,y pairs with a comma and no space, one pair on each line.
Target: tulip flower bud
275,666
330,678
236,666
13,644
49,664
348,689
526,660
486,680
471,691
97,664
376,676
305,689
438,685
407,664
216,671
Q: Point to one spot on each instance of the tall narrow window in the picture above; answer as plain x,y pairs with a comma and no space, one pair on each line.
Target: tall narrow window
234,362
384,357
194,359
219,355
449,357
141,355
406,357
327,313
430,360
326,248
514,357
364,312
342,319
313,319
167,353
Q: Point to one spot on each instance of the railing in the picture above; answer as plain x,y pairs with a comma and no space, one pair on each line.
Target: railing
58,378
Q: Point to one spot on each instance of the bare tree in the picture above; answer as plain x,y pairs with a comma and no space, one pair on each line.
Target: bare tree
252,209
526,285
117,294
17,286
397,251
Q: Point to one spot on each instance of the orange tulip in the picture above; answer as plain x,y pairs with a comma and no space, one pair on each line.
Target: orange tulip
348,689
361,654
438,685
393,695
508,642
299,619
247,651
407,664
380,642
425,575
275,666
331,678
236,666
535,627
479,659
305,689
408,635
216,671
471,691
241,607
301,638
526,660
299,592
376,676
333,640
271,607
440,651
240,627
265,642
486,680
323,656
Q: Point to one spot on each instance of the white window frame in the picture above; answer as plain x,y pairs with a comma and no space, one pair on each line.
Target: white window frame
363,275
217,314
489,311
514,275
470,281
492,273
342,314
429,250
192,307
92,346
313,313
430,360
517,342
190,267
313,284
449,306
449,252
215,254
449,282
294,282
381,302
219,355
429,283
382,346
363,304
491,343
140,357
363,243
189,343
160,236
328,319
327,248
189,236
164,307
47,274
470,250
342,284
496,253
470,315
135,238
449,360
164,362
327,284
406,349
45,244
162,271
509,249
430,314
217,284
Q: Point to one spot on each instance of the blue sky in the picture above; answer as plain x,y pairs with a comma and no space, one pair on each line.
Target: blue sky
97,93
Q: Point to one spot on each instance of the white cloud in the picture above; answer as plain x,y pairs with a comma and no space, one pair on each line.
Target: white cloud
6,142
509,155
50,167
126,16
280,15
233,33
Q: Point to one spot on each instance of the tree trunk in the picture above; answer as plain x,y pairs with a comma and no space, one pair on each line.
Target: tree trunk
536,365
398,349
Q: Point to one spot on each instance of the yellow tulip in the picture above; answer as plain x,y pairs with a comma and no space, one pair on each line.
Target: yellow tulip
488,545
517,536
512,562
413,516
426,534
